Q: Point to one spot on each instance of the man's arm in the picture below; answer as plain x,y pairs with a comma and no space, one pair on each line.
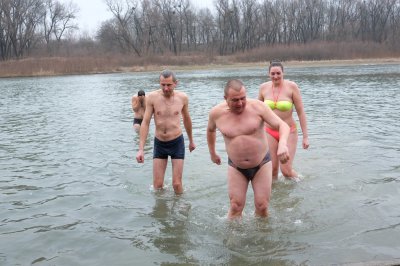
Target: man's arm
260,93
144,130
135,103
187,123
212,137
275,122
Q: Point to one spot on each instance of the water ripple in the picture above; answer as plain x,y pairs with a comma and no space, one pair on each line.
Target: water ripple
71,188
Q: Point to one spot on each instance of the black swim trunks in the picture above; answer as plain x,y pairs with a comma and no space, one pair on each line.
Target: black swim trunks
174,148
251,172
137,121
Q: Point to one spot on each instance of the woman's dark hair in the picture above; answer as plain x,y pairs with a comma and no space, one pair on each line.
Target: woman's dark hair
275,63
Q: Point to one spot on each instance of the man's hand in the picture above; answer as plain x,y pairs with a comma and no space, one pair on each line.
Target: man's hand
216,159
192,146
283,153
140,156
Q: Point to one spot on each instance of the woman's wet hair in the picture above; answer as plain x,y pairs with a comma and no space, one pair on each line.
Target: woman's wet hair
275,63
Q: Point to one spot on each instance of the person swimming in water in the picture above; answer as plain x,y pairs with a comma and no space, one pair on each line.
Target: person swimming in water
281,96
241,122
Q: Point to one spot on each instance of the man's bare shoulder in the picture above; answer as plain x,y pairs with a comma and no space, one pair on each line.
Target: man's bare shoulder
153,95
219,109
256,105
180,94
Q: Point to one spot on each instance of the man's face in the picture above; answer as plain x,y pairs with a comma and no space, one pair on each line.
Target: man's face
236,100
167,85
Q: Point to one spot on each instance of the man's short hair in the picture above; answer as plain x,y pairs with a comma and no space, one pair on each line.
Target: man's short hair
141,93
235,84
166,73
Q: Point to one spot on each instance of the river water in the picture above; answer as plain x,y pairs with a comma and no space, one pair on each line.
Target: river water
71,192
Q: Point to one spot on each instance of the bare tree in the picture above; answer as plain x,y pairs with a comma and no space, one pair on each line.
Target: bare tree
225,13
108,36
151,22
242,25
341,20
50,19
311,19
394,25
58,18
250,16
379,13
153,27
66,19
5,42
168,12
124,14
207,29
189,25
270,21
20,20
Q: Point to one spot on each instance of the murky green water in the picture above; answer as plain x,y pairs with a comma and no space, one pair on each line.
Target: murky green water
71,192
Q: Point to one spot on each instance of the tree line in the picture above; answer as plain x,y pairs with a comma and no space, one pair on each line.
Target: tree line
27,24
156,27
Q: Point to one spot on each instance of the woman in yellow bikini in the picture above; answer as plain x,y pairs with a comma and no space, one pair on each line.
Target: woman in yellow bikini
281,95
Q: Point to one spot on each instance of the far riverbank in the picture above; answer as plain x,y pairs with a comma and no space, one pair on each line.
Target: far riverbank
56,66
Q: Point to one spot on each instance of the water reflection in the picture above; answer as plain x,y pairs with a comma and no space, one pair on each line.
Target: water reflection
172,214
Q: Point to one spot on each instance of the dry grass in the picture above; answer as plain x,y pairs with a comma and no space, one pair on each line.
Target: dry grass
313,52
50,66
320,51
56,66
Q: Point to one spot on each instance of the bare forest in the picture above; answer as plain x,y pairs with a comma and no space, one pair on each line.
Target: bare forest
43,35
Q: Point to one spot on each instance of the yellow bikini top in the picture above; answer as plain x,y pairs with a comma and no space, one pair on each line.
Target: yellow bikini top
280,105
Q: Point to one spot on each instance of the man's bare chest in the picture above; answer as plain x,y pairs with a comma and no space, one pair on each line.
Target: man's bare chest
165,110
232,126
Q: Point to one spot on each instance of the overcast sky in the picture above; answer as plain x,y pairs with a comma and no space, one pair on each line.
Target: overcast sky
93,12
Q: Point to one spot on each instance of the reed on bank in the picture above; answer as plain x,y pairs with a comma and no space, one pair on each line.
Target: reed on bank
110,63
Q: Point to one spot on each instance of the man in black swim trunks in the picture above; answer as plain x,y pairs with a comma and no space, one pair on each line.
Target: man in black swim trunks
138,108
169,107
241,122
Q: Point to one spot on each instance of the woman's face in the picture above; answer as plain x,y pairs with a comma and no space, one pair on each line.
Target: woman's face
276,74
